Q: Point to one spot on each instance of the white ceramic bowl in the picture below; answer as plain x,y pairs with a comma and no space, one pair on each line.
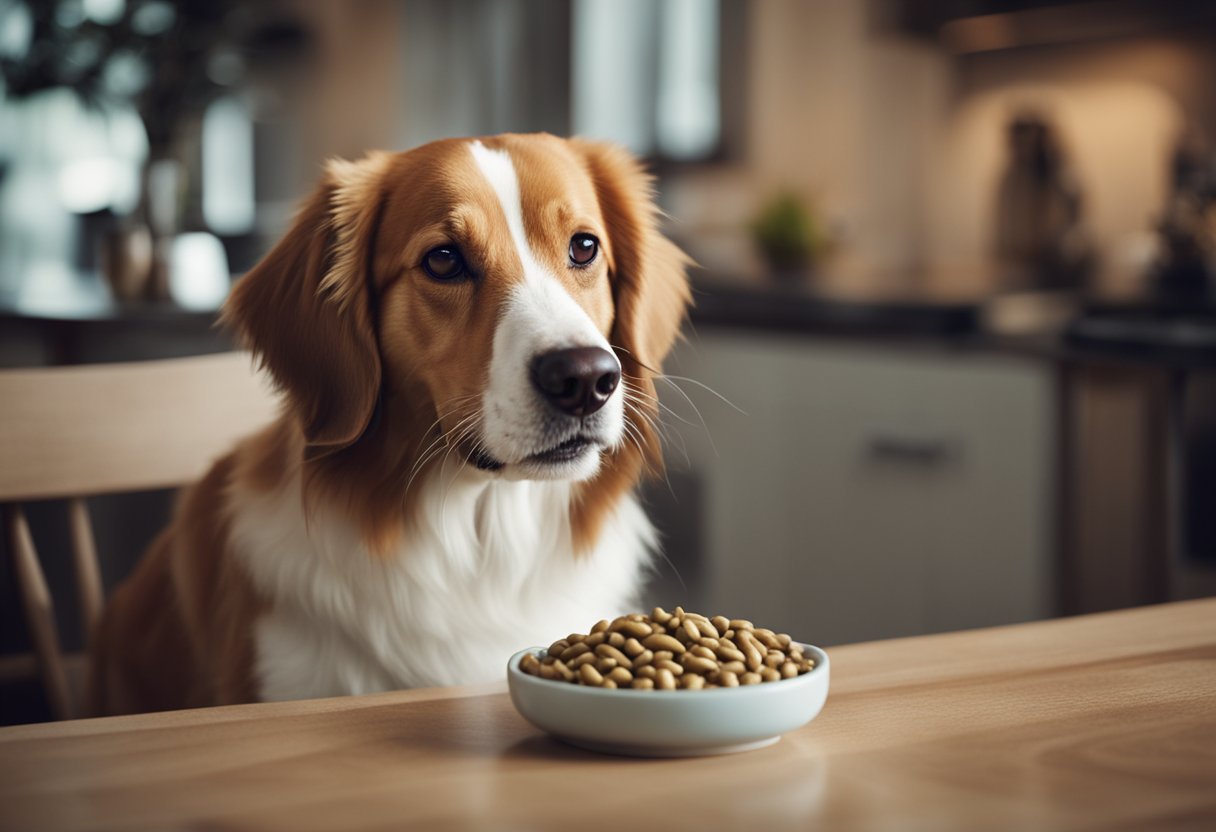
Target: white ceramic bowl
681,723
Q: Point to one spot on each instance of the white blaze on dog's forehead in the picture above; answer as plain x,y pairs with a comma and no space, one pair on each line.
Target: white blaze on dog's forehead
540,298
497,168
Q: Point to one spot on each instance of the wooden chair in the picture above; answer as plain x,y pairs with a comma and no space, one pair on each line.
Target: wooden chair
73,432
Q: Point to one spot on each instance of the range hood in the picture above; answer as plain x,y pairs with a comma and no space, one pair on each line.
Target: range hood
967,26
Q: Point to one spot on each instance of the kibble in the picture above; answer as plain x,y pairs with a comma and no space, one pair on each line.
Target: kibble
662,641
610,652
666,664
675,650
572,652
620,675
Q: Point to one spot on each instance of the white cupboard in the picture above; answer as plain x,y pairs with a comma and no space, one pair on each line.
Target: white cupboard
871,490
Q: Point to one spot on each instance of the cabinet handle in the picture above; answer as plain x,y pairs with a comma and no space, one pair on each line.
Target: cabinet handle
925,452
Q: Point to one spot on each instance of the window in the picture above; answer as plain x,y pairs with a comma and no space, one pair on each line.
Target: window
663,78
646,75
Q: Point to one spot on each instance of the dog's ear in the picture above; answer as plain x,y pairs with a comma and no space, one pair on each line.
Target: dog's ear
305,309
648,272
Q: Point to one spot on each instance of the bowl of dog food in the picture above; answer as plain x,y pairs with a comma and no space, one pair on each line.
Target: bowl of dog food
670,684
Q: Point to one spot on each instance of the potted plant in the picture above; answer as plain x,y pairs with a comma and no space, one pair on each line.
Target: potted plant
788,236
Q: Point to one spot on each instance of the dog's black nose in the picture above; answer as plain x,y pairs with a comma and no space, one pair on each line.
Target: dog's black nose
576,381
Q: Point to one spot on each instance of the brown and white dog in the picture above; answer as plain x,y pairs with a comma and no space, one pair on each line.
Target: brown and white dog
466,336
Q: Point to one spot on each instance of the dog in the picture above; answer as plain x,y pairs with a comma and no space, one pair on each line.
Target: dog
466,338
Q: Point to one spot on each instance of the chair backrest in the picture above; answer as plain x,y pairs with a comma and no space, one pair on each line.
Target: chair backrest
96,429
72,432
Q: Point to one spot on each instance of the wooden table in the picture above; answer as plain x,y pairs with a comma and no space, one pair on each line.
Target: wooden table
1106,722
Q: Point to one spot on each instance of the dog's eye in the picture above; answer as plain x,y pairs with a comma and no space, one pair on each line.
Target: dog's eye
583,248
443,263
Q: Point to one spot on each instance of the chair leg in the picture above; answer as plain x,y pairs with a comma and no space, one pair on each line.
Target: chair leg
39,613
89,591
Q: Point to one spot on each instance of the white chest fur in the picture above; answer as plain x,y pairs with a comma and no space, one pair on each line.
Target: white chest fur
486,571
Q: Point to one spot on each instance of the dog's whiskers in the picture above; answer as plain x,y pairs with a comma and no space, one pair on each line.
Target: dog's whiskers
670,434
471,426
644,403
635,434
638,395
454,409
696,410
438,445
670,379
443,435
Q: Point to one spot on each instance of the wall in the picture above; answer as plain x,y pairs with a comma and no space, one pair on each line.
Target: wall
345,99
842,115
393,74
846,115
1119,107
899,143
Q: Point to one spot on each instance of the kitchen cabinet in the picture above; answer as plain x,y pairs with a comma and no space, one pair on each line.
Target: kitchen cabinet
868,490
1140,456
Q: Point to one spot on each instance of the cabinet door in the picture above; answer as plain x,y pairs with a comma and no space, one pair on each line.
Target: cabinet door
870,493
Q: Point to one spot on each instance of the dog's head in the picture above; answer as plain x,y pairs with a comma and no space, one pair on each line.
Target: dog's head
502,301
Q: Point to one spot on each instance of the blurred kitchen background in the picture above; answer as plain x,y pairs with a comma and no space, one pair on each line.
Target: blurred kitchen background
953,359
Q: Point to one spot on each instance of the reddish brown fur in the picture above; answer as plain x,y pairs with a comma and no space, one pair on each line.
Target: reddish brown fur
374,358
178,633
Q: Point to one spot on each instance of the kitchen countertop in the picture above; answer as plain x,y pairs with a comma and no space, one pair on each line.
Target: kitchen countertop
1140,331
1100,722
797,307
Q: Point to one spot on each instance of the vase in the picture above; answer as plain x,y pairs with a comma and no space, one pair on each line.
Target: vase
164,180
